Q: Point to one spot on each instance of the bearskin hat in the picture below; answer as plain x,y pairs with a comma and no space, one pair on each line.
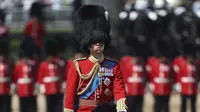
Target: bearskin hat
36,10
4,49
51,47
2,16
62,43
91,25
27,48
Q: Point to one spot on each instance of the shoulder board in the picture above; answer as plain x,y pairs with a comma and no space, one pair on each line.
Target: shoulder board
79,59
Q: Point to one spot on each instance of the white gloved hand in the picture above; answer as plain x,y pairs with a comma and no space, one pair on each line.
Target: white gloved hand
177,87
42,88
13,89
121,105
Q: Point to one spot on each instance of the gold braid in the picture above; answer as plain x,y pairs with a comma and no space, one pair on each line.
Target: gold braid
92,73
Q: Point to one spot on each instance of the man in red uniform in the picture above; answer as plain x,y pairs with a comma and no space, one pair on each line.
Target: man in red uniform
24,77
133,73
185,71
5,76
35,27
50,79
159,72
95,79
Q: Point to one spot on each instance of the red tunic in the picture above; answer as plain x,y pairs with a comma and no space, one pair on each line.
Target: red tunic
35,30
49,75
160,77
111,83
186,77
132,73
5,77
24,77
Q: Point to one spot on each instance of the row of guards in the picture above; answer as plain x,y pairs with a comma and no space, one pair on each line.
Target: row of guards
160,27
29,77
162,77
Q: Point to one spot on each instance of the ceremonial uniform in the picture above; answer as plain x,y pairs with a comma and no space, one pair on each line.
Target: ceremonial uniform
24,77
160,80
133,73
91,81
35,28
50,78
186,78
5,81
5,75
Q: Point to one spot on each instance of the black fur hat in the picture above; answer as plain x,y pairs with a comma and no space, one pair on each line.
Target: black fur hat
51,47
92,25
2,16
36,10
4,49
27,47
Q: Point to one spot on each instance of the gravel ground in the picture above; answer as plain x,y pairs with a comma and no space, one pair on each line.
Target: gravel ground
148,103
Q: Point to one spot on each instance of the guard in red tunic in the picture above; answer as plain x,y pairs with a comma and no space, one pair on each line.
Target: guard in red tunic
5,76
94,79
50,78
24,76
160,80
185,71
35,27
133,73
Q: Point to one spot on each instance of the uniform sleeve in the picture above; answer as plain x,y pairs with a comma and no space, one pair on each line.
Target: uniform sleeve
27,29
119,88
71,89
14,74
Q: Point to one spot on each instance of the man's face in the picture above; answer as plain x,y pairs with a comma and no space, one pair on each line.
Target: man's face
97,48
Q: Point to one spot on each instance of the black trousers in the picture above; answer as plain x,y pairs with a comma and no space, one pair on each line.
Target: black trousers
54,103
184,98
28,104
5,103
161,103
135,103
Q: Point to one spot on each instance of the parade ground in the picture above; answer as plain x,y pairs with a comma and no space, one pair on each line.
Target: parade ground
148,103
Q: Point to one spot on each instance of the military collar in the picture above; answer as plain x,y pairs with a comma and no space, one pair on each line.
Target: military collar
94,60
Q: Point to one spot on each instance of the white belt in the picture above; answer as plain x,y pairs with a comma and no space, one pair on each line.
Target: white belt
187,79
161,80
4,79
24,81
135,79
51,79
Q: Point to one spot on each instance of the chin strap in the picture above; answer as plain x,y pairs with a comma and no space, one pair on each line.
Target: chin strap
121,105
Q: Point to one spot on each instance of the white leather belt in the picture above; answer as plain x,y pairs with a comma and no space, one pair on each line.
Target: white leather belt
51,79
161,80
135,79
24,81
4,79
187,79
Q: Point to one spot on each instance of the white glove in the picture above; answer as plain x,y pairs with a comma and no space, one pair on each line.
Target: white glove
42,88
63,87
121,105
177,87
150,87
13,89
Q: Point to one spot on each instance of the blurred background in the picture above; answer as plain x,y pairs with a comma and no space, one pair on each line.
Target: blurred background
139,27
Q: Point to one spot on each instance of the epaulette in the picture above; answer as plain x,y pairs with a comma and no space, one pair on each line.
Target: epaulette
79,59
